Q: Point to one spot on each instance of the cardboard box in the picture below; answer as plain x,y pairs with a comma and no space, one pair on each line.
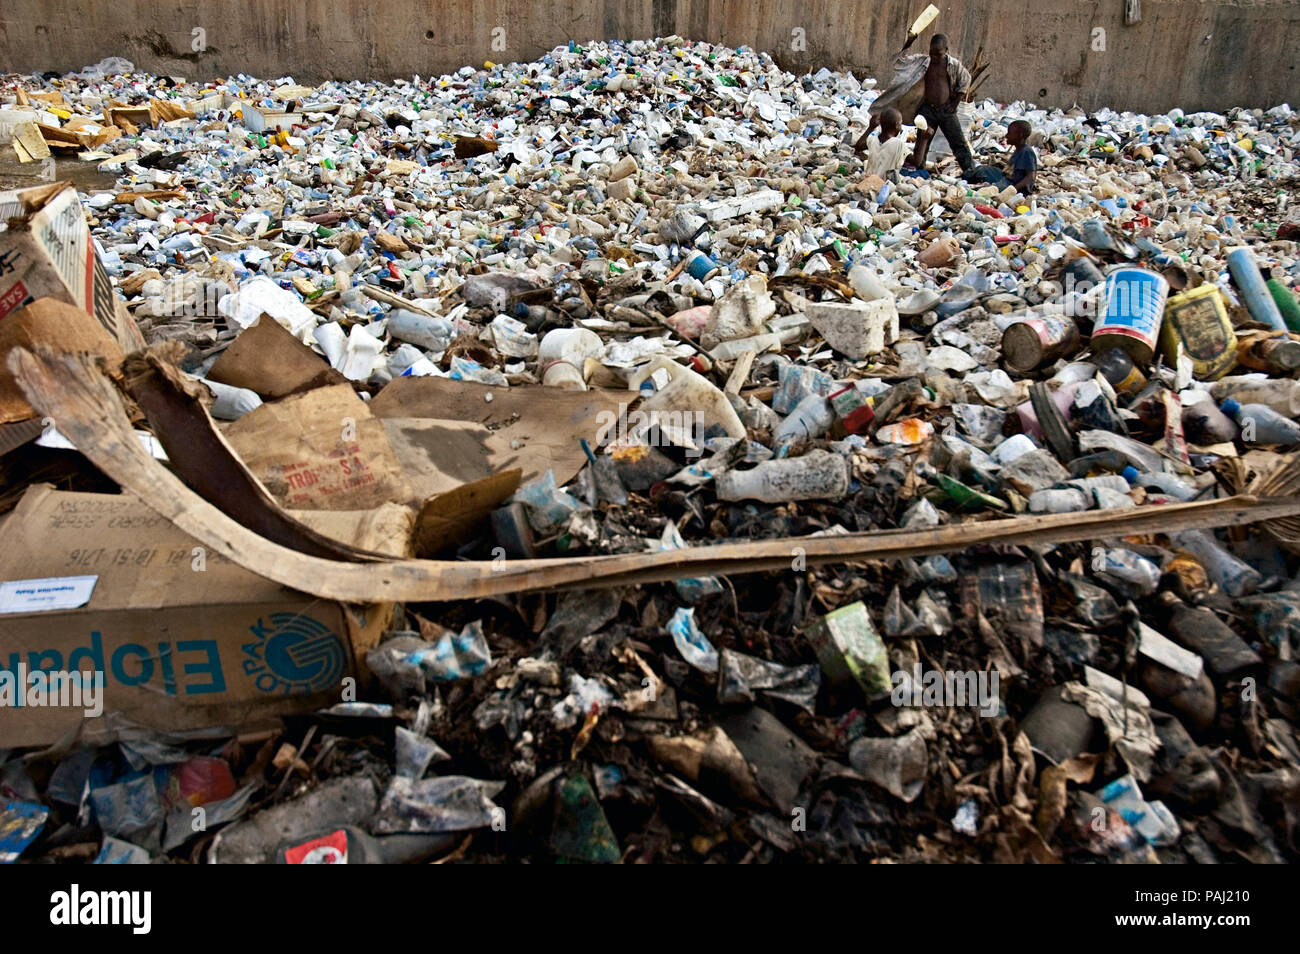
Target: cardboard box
320,450
46,251
47,323
184,638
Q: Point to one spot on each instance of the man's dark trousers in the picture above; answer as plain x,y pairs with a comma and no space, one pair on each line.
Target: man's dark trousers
945,118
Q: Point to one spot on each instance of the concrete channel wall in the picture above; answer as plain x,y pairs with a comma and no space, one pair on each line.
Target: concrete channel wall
1197,54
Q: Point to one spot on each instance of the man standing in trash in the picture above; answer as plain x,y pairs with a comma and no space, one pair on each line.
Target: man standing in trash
946,81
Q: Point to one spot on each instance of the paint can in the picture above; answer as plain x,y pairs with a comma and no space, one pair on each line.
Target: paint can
1133,313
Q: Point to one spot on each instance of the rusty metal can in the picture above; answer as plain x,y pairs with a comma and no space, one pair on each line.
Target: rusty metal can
1034,342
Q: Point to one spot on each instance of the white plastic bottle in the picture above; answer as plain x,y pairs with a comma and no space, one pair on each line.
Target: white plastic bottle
811,417
430,333
866,285
1281,394
816,475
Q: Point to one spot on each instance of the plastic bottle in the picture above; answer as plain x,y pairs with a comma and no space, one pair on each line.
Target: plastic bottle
812,417
430,333
730,350
1286,303
1170,484
1131,568
1258,299
866,285
687,393
1260,424
1059,500
562,355
1204,423
1281,394
1103,482
1201,631
1230,574
816,475
351,845
231,403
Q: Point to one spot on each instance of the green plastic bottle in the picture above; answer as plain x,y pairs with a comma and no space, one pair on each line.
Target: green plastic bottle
1285,302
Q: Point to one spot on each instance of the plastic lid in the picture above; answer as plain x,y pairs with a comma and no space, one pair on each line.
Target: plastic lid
1129,473
1230,407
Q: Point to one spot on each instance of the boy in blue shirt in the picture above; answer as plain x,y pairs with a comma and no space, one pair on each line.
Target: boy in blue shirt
1023,172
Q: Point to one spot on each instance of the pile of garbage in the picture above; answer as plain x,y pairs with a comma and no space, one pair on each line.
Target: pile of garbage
632,299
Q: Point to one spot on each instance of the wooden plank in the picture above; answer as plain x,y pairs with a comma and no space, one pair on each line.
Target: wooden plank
92,416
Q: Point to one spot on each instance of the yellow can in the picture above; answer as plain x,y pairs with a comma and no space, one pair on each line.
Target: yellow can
1198,320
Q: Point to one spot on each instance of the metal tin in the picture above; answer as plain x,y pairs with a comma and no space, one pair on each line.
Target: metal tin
1033,342
1133,314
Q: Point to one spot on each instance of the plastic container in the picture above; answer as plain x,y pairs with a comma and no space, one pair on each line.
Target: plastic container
1231,575
941,252
1281,394
866,285
899,765
817,475
1260,424
430,333
700,267
562,355
1254,291
1197,321
1132,315
687,393
812,417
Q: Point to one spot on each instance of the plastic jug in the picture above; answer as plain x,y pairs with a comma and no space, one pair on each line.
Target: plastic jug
687,395
562,354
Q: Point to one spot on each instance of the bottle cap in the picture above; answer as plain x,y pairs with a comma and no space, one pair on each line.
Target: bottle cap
1129,473
1230,407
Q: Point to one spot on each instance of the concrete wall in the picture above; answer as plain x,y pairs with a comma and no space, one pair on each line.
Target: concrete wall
1197,54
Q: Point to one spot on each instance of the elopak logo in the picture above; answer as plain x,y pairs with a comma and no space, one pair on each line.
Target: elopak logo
293,653
77,907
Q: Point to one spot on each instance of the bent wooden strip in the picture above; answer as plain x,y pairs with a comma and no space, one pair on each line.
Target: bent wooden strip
88,410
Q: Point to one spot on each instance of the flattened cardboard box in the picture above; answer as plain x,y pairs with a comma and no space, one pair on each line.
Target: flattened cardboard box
46,251
184,638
